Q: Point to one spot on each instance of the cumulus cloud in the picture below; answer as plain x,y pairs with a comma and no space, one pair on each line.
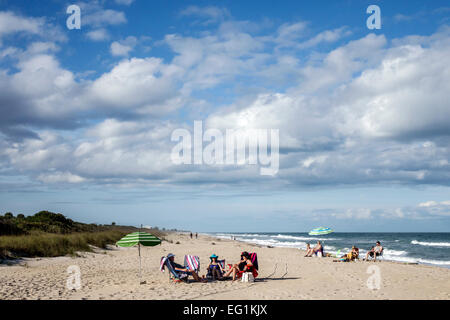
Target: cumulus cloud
124,2
368,111
327,36
12,23
95,15
97,19
98,35
435,208
123,47
210,14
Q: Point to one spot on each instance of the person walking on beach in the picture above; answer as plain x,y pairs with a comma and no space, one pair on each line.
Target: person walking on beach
191,235
196,235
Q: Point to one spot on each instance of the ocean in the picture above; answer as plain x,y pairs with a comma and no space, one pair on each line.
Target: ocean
423,248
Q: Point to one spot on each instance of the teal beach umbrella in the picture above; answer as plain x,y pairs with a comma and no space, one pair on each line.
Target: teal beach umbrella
320,231
138,239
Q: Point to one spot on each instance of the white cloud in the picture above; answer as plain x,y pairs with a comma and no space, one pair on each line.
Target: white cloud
435,208
428,204
405,95
98,34
123,47
97,16
211,14
60,177
124,2
118,49
357,114
12,23
327,36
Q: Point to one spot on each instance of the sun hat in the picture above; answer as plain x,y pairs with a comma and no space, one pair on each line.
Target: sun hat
214,256
170,255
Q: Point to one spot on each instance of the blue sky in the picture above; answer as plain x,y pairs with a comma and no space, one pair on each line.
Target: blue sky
87,115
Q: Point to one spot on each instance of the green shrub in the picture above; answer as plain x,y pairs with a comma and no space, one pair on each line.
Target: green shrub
53,245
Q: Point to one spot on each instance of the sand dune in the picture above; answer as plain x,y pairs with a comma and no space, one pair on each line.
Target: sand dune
284,274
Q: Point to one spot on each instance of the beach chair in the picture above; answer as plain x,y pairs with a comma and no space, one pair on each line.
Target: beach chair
192,263
222,265
173,275
254,260
379,257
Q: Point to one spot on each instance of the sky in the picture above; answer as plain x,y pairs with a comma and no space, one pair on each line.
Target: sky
88,115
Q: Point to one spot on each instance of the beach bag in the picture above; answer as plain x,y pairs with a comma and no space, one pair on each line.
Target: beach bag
319,254
247,277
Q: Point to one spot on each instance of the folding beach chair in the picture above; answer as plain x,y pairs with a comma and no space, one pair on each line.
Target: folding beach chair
254,260
379,257
192,262
209,274
173,274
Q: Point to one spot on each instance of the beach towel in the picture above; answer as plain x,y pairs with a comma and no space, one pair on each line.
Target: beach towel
191,262
254,260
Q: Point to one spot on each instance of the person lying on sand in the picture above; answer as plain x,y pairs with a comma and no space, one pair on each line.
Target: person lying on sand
245,265
180,268
374,252
352,255
317,248
215,268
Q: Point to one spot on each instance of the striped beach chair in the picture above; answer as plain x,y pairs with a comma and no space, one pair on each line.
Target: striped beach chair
173,275
192,262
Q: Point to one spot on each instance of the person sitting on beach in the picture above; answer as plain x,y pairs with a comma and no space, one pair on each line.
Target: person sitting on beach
215,268
374,252
317,248
352,255
245,265
179,268
355,252
309,250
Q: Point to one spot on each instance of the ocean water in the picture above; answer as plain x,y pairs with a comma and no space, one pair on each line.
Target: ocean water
423,248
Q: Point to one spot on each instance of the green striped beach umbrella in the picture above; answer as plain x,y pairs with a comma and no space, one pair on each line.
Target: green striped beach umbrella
320,231
139,238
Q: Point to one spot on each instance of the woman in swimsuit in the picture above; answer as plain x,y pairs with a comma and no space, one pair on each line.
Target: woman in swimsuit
215,268
245,265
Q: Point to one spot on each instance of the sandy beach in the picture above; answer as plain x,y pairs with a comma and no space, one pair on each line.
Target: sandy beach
284,273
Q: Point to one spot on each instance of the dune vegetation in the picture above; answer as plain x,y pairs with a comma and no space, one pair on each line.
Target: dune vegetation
48,234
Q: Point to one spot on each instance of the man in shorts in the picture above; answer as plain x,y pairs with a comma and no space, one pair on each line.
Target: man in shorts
375,251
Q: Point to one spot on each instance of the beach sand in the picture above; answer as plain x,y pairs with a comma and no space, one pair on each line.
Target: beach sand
283,274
